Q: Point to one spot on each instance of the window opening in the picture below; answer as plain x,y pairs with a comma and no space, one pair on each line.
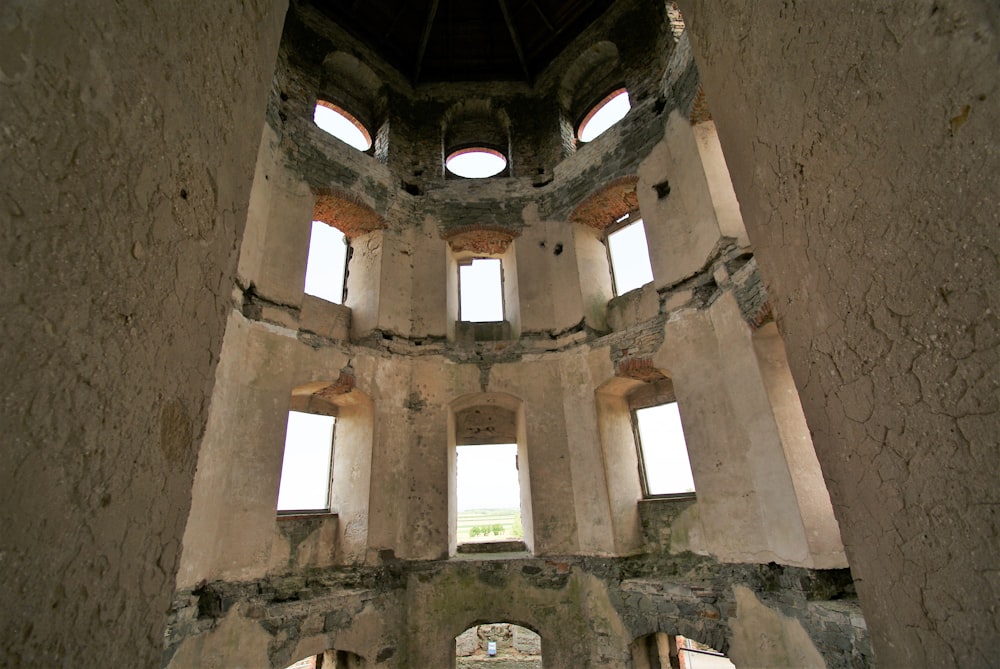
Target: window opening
311,662
476,162
326,266
342,125
629,252
604,114
480,289
488,493
306,463
696,655
510,645
663,455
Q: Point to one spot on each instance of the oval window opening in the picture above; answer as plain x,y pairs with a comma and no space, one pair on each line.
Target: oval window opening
476,163
337,122
605,114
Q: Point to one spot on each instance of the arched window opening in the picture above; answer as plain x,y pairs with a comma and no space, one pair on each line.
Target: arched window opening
342,124
306,464
477,162
628,252
669,651
489,504
326,265
498,644
331,659
604,114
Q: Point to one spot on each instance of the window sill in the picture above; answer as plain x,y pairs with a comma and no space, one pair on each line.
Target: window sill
481,547
304,515
468,332
325,318
634,307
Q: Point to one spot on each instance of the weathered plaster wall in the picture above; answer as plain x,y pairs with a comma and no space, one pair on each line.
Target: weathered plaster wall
125,177
862,144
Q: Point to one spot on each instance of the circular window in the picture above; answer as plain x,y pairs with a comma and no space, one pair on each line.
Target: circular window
605,114
334,120
476,162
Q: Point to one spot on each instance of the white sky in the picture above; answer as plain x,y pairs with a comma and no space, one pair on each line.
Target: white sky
476,164
613,111
340,127
630,257
325,265
487,477
664,451
305,466
481,290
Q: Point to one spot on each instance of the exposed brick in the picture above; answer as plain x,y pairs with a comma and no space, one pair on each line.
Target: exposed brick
699,111
346,212
611,202
479,239
640,369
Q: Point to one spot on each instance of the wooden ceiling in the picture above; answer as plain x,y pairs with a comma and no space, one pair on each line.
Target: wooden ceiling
465,40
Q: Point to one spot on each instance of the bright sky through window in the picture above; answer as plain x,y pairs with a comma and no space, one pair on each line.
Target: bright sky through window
487,477
477,163
604,115
339,124
664,452
630,257
305,466
481,291
325,265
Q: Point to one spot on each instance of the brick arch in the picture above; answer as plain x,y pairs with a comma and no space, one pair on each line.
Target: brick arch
605,205
484,239
346,212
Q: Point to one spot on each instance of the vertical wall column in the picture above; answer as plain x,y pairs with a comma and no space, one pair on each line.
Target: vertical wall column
866,172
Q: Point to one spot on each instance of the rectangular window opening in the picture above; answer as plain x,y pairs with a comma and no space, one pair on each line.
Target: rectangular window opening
326,266
480,289
306,464
488,494
629,254
663,455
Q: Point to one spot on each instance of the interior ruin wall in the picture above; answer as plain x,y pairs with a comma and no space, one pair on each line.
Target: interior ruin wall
111,196
569,382
124,179
867,173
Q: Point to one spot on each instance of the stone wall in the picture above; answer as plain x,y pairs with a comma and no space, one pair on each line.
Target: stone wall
587,612
862,144
125,173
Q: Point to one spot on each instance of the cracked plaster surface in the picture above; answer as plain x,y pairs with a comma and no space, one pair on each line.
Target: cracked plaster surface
868,178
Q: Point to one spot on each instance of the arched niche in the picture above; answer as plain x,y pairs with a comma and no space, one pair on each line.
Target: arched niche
351,462
588,80
638,384
362,226
476,123
511,642
482,419
353,86
592,216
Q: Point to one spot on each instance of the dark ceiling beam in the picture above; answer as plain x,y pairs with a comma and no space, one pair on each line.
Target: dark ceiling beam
424,37
517,40
541,14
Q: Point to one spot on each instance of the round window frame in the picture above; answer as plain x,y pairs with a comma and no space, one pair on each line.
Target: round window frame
348,116
477,148
597,107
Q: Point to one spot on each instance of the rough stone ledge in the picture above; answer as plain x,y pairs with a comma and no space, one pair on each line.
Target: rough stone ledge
698,291
682,593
